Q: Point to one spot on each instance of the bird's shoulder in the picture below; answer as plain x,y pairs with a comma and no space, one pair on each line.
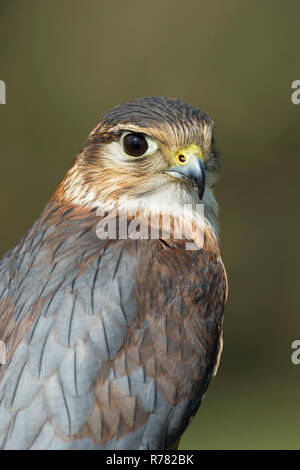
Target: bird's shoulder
107,343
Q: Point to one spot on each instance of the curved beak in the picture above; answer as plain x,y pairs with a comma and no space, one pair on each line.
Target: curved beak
192,173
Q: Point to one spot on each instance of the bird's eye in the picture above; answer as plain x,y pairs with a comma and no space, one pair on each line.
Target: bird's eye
135,144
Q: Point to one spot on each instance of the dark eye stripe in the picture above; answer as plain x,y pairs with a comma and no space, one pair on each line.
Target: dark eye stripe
135,144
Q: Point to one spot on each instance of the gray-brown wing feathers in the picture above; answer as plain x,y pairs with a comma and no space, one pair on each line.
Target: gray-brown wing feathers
108,347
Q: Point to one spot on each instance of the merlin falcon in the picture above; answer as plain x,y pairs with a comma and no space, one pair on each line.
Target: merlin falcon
110,339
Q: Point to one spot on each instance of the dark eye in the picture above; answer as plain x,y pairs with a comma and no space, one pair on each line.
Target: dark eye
135,144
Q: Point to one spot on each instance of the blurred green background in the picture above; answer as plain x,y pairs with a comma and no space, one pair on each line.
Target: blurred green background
67,62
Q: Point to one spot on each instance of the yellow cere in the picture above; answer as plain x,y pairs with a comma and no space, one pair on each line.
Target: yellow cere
184,154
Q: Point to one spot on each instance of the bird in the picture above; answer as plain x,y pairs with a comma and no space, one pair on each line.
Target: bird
112,336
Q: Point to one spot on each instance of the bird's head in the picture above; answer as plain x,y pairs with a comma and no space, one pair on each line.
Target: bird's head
157,151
